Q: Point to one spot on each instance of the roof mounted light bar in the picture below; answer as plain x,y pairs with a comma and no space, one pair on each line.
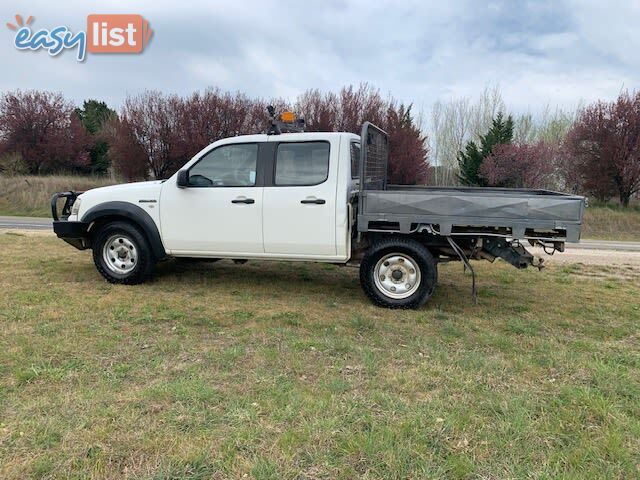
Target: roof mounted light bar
286,122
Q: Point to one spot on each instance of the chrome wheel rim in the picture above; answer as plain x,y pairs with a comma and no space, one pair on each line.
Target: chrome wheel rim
120,254
397,276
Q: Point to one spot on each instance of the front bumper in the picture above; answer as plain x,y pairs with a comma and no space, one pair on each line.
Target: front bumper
74,233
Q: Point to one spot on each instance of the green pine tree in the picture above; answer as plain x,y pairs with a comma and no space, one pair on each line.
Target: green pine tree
470,159
93,115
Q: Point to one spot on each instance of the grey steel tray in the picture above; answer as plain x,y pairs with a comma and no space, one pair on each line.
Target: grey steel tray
525,213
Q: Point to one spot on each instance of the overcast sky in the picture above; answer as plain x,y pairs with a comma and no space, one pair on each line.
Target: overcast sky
539,52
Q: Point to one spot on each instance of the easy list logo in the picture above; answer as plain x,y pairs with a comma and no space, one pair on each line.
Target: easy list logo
105,34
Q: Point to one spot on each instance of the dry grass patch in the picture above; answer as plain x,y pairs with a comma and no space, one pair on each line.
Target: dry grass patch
612,223
30,195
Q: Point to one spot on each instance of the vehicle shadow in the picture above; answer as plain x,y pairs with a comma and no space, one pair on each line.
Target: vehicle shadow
282,278
259,278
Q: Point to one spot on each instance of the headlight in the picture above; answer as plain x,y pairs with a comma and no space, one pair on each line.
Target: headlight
76,207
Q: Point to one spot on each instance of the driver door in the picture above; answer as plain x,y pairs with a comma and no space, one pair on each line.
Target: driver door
220,212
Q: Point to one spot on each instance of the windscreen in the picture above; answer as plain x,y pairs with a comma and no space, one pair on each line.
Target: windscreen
374,156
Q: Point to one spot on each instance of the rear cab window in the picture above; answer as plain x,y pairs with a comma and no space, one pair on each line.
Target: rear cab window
302,163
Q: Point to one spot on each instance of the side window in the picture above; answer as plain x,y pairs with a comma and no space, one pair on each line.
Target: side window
304,163
227,166
355,160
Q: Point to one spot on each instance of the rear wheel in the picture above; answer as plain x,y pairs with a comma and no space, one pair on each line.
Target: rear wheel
122,254
398,273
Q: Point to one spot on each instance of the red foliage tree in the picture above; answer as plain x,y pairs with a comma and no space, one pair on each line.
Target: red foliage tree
520,166
170,129
605,144
44,129
408,152
79,146
347,110
212,115
319,111
126,154
153,120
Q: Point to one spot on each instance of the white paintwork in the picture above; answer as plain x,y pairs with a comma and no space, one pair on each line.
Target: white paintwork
293,228
128,192
202,222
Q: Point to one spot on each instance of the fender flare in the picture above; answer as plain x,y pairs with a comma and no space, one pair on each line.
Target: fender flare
134,213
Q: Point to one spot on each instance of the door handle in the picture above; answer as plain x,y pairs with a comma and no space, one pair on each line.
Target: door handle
243,200
317,201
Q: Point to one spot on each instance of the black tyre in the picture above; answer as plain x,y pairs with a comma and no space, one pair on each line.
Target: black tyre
398,272
122,254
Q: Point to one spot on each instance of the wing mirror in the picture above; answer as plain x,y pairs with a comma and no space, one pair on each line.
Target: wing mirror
183,178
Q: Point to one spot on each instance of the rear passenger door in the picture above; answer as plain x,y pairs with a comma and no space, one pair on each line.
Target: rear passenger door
299,210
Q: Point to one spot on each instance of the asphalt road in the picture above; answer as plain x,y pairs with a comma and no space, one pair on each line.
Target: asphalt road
36,223
25,223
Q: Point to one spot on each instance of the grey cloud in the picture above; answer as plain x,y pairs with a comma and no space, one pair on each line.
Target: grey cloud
540,52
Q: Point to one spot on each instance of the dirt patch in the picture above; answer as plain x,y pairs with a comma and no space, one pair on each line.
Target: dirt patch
596,264
26,232
590,257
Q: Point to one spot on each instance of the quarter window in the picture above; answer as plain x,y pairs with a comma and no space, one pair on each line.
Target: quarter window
304,163
227,166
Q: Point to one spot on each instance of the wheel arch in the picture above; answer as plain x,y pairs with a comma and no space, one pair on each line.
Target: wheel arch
430,242
112,211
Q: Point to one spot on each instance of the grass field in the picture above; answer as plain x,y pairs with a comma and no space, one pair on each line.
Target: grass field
30,196
283,371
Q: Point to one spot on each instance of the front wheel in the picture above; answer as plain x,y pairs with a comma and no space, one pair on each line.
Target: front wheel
398,273
122,254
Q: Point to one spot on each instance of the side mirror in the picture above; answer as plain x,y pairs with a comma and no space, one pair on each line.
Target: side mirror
183,178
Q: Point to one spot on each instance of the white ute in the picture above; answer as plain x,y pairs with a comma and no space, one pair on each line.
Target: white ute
305,196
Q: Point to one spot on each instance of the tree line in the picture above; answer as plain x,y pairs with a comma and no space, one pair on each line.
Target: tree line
154,134
598,154
594,150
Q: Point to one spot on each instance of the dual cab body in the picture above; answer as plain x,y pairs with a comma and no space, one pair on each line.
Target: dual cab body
258,204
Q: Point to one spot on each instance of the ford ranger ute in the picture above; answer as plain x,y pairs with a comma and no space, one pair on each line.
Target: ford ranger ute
320,197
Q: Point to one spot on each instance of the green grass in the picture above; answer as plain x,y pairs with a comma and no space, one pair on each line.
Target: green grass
227,371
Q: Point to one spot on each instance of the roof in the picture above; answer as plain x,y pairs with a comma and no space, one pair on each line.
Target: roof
284,137
263,137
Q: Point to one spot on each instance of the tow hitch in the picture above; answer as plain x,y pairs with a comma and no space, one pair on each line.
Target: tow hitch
511,252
